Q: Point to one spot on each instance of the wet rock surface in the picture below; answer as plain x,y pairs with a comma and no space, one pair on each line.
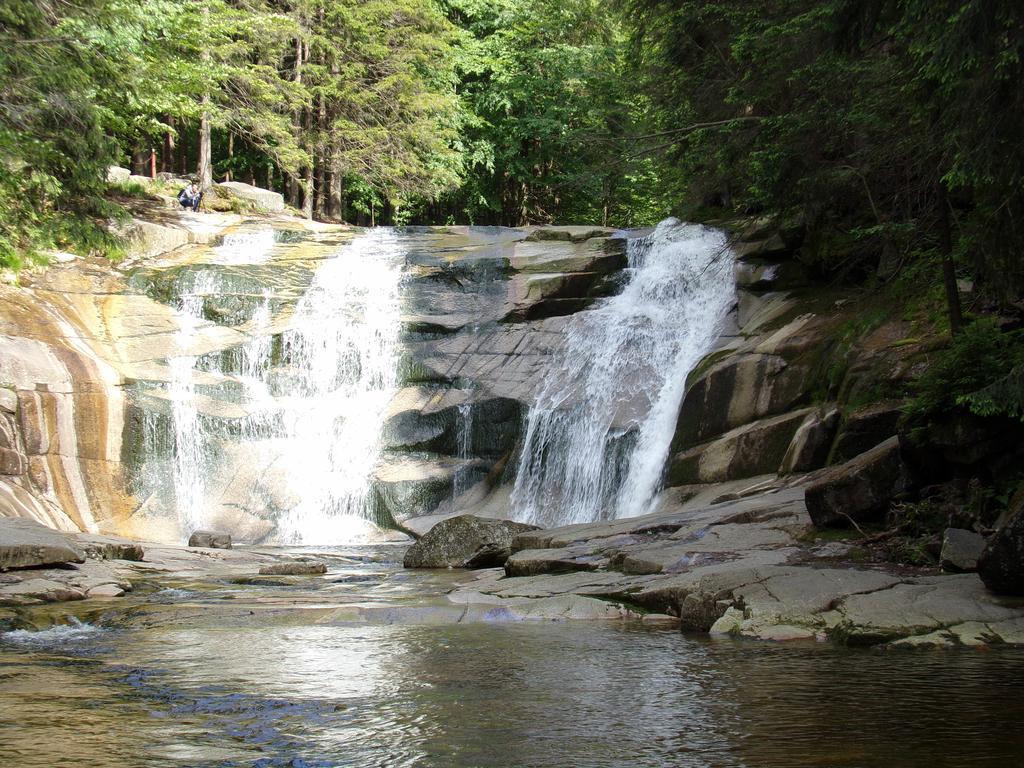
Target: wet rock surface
294,569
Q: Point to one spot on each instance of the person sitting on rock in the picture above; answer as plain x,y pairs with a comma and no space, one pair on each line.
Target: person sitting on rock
190,196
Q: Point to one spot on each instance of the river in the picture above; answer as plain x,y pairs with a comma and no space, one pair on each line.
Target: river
264,675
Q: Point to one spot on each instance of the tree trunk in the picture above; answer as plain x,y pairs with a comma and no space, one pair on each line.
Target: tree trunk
231,154
336,197
307,172
294,182
321,160
184,158
956,318
204,167
167,161
139,161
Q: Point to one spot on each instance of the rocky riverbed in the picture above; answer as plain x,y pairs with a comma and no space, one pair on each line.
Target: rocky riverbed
746,567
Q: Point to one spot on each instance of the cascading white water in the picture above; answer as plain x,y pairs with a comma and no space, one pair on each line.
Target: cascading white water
310,412
599,432
343,352
189,438
463,446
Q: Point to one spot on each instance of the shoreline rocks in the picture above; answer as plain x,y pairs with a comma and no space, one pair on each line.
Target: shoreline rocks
1001,565
28,544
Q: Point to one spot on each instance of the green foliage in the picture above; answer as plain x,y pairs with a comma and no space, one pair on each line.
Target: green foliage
546,90
1003,397
864,114
980,369
53,149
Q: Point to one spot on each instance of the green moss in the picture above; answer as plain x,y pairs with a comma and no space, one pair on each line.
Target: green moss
706,364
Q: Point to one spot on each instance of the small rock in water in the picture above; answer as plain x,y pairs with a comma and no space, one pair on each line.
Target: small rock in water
210,540
106,590
294,569
961,549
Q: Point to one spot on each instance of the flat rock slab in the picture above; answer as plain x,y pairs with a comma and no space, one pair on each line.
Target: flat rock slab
299,568
744,567
272,202
28,544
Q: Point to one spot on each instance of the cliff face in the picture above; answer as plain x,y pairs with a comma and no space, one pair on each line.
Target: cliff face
798,381
85,353
71,338
63,413
803,379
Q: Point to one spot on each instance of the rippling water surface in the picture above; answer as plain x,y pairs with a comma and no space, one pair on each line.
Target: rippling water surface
151,683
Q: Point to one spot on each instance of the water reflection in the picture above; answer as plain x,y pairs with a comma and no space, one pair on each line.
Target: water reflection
485,695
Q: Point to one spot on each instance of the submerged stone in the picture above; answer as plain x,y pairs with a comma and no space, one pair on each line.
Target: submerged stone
301,568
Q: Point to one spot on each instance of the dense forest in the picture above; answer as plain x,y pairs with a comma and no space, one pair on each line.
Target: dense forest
889,129
891,126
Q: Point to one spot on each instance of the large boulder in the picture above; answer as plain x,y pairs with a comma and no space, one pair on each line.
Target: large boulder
859,490
810,446
28,544
271,202
1001,565
116,174
865,428
465,541
961,549
747,451
210,540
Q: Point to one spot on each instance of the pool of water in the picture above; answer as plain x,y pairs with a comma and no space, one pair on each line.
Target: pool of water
136,686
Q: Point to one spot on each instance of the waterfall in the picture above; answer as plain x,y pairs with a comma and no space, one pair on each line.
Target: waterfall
463,447
599,431
189,437
343,352
286,425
